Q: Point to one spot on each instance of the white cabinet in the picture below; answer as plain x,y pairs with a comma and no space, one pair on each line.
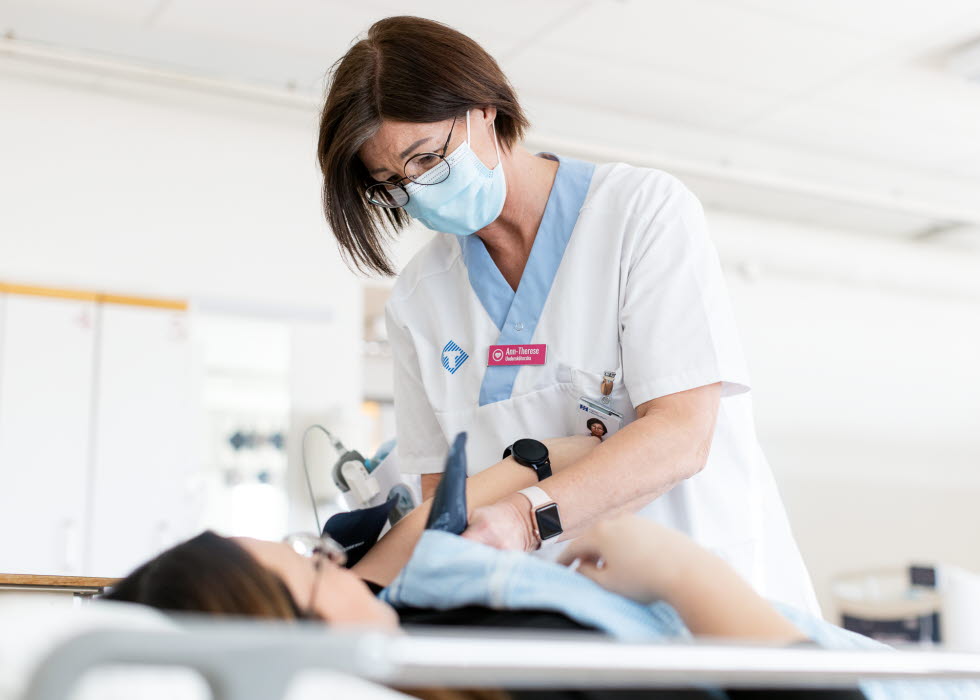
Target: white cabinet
46,360
146,408
98,408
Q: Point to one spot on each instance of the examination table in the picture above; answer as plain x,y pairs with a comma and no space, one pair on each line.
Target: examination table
113,650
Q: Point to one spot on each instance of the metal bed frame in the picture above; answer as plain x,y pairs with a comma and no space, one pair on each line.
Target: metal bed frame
257,660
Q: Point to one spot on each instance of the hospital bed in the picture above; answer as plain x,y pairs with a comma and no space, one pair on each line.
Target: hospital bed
115,650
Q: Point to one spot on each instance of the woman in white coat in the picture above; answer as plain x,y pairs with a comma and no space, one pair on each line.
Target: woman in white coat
557,298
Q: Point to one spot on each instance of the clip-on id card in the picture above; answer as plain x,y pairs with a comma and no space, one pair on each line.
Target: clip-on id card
597,420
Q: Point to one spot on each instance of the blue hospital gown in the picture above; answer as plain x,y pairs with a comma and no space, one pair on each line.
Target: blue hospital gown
447,571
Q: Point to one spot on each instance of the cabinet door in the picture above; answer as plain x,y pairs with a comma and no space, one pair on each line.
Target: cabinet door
46,353
145,439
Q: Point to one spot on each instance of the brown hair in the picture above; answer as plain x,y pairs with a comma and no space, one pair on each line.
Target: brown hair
407,69
210,574
213,574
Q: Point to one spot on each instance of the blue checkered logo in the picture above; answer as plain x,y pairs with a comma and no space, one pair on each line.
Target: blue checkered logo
453,357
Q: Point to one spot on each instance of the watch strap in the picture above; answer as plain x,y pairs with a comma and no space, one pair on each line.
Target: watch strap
541,501
543,469
537,496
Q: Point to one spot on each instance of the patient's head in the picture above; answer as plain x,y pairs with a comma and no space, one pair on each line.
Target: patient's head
244,576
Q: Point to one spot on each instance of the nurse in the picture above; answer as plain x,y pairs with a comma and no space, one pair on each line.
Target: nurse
556,293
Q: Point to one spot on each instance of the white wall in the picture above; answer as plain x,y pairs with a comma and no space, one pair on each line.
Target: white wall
864,356
163,192
160,192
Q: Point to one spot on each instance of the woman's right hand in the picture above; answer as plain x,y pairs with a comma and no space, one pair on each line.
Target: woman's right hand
635,557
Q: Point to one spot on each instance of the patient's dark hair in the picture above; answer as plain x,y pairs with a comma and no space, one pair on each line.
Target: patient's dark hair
213,574
209,574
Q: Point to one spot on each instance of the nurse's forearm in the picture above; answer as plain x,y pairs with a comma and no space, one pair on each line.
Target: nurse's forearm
666,445
390,554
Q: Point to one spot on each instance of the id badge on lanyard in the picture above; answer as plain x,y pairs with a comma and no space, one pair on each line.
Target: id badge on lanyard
597,415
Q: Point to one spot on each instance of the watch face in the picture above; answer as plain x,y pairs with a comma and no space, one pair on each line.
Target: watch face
530,450
549,524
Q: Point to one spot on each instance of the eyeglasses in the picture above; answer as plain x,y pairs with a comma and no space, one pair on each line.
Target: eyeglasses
316,548
422,169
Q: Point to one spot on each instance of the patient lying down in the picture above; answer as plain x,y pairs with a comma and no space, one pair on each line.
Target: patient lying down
634,561
631,556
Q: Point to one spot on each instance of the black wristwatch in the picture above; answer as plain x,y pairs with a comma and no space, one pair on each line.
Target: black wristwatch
531,454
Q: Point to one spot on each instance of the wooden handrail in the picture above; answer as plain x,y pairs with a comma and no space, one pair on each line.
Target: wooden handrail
98,297
56,581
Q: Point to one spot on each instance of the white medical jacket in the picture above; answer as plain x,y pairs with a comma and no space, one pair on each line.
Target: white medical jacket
622,277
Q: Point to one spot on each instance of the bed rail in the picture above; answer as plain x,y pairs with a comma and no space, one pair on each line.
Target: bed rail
255,660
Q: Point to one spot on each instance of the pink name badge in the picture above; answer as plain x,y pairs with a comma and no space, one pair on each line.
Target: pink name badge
516,355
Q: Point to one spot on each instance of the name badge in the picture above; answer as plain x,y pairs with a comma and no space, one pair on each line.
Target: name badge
516,355
597,420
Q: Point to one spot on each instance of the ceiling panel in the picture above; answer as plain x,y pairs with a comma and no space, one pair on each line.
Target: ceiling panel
855,81
501,27
635,89
714,41
328,27
873,18
216,57
306,25
804,208
129,11
914,117
899,141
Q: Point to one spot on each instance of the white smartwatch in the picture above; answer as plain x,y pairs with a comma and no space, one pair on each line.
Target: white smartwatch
547,522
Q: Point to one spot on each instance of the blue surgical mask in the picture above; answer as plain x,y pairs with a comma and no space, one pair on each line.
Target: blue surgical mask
470,198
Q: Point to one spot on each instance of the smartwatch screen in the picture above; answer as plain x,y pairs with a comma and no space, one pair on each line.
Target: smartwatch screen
549,524
531,450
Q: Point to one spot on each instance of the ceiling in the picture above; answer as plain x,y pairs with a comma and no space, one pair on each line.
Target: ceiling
837,111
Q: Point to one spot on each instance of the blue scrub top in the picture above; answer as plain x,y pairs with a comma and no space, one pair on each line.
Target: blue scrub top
516,314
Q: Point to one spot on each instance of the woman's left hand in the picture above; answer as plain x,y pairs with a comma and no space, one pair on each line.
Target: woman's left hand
505,525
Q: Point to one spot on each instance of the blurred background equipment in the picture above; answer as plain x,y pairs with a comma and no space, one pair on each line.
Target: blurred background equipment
361,482
893,606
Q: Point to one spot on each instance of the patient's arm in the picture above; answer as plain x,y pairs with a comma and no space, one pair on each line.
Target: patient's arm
646,561
390,554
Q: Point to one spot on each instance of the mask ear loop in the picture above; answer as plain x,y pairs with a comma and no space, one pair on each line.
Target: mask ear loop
496,147
493,126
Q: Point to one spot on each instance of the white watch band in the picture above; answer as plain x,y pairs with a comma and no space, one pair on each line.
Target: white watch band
537,496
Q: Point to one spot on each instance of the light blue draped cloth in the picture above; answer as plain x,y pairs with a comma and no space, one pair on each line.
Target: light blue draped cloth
447,571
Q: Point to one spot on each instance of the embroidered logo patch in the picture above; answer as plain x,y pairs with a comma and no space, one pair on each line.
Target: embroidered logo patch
453,357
